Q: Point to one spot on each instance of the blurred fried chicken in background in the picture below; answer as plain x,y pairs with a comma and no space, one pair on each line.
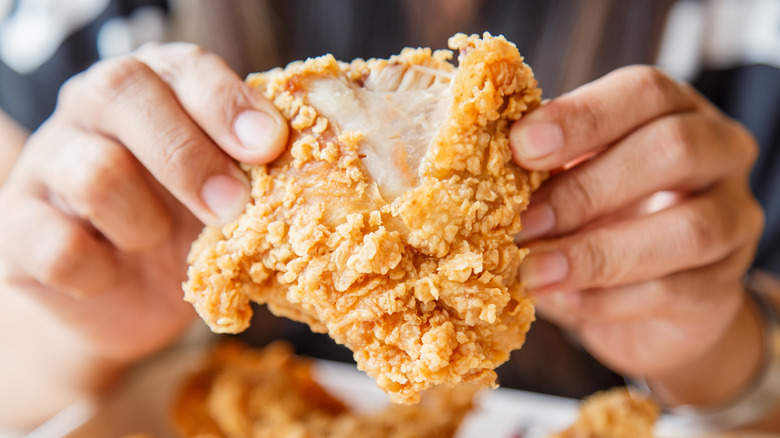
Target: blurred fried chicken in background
616,413
389,221
269,393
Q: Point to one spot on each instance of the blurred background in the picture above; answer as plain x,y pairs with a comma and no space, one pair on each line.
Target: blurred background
729,49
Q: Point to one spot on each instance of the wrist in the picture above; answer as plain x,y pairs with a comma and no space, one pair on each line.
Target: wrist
733,404
723,371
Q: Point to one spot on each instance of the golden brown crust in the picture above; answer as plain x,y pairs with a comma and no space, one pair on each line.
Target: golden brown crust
616,413
423,287
245,393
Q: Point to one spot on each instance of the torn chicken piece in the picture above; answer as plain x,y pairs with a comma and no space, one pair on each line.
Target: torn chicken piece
246,393
389,221
616,413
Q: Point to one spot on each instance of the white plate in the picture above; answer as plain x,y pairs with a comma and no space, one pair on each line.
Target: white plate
142,403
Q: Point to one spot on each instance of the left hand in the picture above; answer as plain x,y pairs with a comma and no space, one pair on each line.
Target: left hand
641,248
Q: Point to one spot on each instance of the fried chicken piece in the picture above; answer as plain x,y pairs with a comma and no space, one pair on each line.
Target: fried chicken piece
245,393
616,413
389,221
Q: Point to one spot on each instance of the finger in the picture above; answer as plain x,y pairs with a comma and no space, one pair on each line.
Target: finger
698,304
125,99
684,294
685,152
66,256
236,116
596,115
101,182
686,305
694,233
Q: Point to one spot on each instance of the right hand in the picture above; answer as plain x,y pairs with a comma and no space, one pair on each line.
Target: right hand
99,211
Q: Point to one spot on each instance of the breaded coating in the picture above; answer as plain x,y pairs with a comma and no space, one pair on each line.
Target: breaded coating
389,221
269,393
616,413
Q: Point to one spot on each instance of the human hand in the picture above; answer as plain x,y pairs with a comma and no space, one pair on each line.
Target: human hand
100,210
642,247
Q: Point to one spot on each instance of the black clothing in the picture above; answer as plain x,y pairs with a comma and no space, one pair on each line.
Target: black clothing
751,94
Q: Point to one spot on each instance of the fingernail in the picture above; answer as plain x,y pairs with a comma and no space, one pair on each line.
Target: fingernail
226,196
256,130
537,220
544,269
534,140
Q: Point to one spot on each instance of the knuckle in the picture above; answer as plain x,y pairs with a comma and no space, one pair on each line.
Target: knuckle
64,260
113,77
677,144
96,186
592,258
187,50
187,67
172,59
590,113
70,90
756,218
702,234
176,146
653,86
739,264
581,197
745,142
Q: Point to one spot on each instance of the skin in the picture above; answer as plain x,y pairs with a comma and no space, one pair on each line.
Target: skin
650,283
101,206
99,212
13,137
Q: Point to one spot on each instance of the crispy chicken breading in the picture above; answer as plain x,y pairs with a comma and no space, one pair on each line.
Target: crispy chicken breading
245,393
616,413
389,221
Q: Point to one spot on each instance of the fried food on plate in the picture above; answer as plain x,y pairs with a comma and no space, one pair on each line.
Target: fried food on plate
616,413
245,393
389,221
